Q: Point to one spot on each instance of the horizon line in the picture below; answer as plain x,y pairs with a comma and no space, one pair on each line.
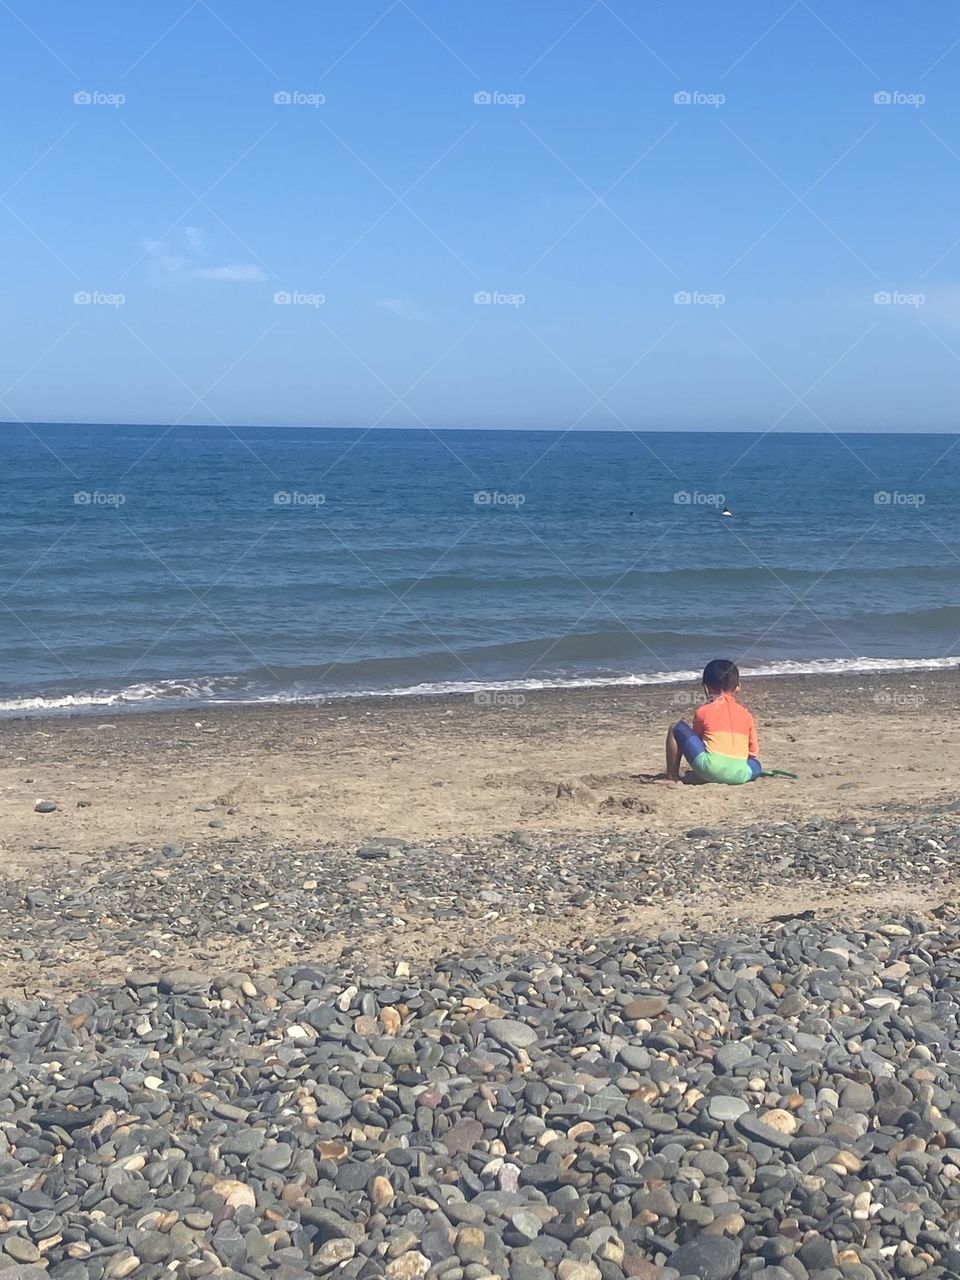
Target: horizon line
588,431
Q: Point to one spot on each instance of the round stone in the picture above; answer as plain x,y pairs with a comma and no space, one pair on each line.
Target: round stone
21,1249
723,1108
783,1121
511,1033
707,1257
644,1007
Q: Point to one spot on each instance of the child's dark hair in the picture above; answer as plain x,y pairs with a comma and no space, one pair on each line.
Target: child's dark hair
721,675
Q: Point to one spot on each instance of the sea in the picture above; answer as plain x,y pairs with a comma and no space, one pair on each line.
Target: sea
153,566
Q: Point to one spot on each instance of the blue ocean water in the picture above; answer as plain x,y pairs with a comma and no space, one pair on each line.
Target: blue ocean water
146,565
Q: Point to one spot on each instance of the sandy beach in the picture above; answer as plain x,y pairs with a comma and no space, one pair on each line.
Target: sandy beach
448,766
263,789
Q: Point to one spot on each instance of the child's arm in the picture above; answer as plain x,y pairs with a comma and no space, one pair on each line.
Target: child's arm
753,743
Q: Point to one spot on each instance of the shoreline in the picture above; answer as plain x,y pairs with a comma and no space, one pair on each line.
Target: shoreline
898,672
814,669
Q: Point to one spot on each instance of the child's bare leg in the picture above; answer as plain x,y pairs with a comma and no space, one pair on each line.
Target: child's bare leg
673,757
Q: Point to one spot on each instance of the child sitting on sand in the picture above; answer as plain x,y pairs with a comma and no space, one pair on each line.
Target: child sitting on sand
722,745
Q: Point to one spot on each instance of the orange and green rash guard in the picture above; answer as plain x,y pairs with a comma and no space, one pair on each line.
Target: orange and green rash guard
729,733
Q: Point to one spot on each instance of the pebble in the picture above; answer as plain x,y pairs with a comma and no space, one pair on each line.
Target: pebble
211,892
381,1192
21,1249
725,1107
333,1253
708,1257
670,1106
645,1007
754,1126
570,1270
513,1034
411,1265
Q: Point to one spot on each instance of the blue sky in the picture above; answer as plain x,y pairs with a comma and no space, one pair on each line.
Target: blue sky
148,165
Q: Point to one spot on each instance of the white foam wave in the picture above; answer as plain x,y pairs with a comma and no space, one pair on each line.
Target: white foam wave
234,690
814,666
134,695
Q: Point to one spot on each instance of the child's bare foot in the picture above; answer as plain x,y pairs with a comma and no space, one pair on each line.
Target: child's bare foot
666,779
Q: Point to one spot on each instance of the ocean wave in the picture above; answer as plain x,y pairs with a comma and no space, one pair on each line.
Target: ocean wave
239,691
187,692
510,573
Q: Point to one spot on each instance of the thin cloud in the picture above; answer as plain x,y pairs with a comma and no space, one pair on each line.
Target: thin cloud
235,271
188,258
941,305
403,308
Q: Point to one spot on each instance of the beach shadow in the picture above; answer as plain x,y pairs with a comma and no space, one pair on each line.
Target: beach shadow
688,779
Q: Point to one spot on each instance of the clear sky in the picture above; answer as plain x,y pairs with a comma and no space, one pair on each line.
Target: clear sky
184,163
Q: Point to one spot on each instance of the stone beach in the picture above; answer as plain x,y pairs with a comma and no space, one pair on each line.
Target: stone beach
779,1102
700,1034
386,899
778,1098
